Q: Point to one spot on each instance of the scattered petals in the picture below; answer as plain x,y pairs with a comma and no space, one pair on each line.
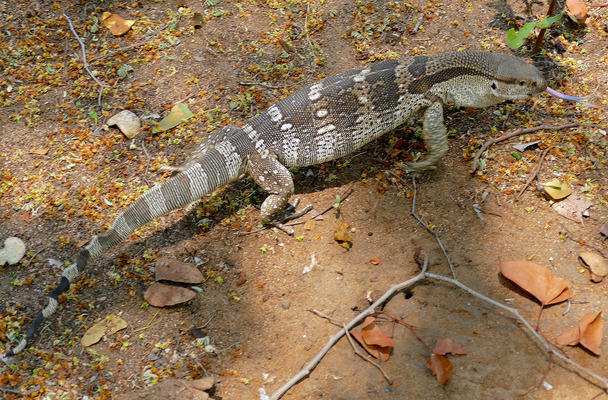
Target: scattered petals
441,367
536,280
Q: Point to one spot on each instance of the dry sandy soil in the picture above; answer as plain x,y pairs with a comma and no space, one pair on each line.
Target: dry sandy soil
63,178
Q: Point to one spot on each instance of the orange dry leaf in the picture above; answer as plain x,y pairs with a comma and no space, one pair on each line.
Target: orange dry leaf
441,367
116,24
588,333
536,280
373,340
375,261
445,346
578,9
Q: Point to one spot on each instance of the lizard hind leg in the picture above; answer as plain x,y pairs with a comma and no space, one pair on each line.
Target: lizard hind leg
274,178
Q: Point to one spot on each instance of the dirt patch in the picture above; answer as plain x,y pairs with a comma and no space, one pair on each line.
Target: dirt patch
64,178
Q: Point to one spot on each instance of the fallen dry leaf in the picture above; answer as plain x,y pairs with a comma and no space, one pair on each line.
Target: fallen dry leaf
379,352
595,262
557,190
161,295
179,113
177,271
578,10
441,367
40,151
573,207
372,334
536,280
588,333
110,325
342,237
373,340
116,24
375,261
445,346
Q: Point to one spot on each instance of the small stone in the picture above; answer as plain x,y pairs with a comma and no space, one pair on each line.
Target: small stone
595,262
204,384
13,251
286,305
128,123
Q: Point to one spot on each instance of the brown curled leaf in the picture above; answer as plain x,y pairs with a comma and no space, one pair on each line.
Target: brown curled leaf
536,280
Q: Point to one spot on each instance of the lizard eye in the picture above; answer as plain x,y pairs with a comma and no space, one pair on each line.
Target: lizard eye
493,85
522,83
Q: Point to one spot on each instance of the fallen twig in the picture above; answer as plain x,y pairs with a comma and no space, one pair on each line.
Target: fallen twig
304,372
352,344
9,390
84,60
535,172
521,131
428,228
343,197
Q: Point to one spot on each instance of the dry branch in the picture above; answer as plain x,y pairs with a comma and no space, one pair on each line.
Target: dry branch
308,368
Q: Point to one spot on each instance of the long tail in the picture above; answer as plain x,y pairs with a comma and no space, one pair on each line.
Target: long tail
224,165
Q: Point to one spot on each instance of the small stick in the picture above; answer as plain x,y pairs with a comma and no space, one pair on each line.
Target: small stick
308,368
9,390
520,131
428,228
84,59
534,173
149,324
345,194
352,344
357,352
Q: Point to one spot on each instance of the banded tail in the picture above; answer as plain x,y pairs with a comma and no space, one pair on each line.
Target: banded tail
217,167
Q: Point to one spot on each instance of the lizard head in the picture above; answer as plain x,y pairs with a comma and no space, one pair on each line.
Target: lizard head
515,79
482,79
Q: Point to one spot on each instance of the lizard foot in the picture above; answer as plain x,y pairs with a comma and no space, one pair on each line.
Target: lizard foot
287,215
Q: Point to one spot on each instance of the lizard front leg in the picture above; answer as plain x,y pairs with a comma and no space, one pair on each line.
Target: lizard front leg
274,178
434,135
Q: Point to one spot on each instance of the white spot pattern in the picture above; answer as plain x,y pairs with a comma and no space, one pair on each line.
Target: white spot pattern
275,113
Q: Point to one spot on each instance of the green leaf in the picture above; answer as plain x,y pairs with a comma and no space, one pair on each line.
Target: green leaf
547,22
516,39
179,113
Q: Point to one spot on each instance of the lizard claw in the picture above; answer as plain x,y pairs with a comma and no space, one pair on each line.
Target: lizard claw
287,215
